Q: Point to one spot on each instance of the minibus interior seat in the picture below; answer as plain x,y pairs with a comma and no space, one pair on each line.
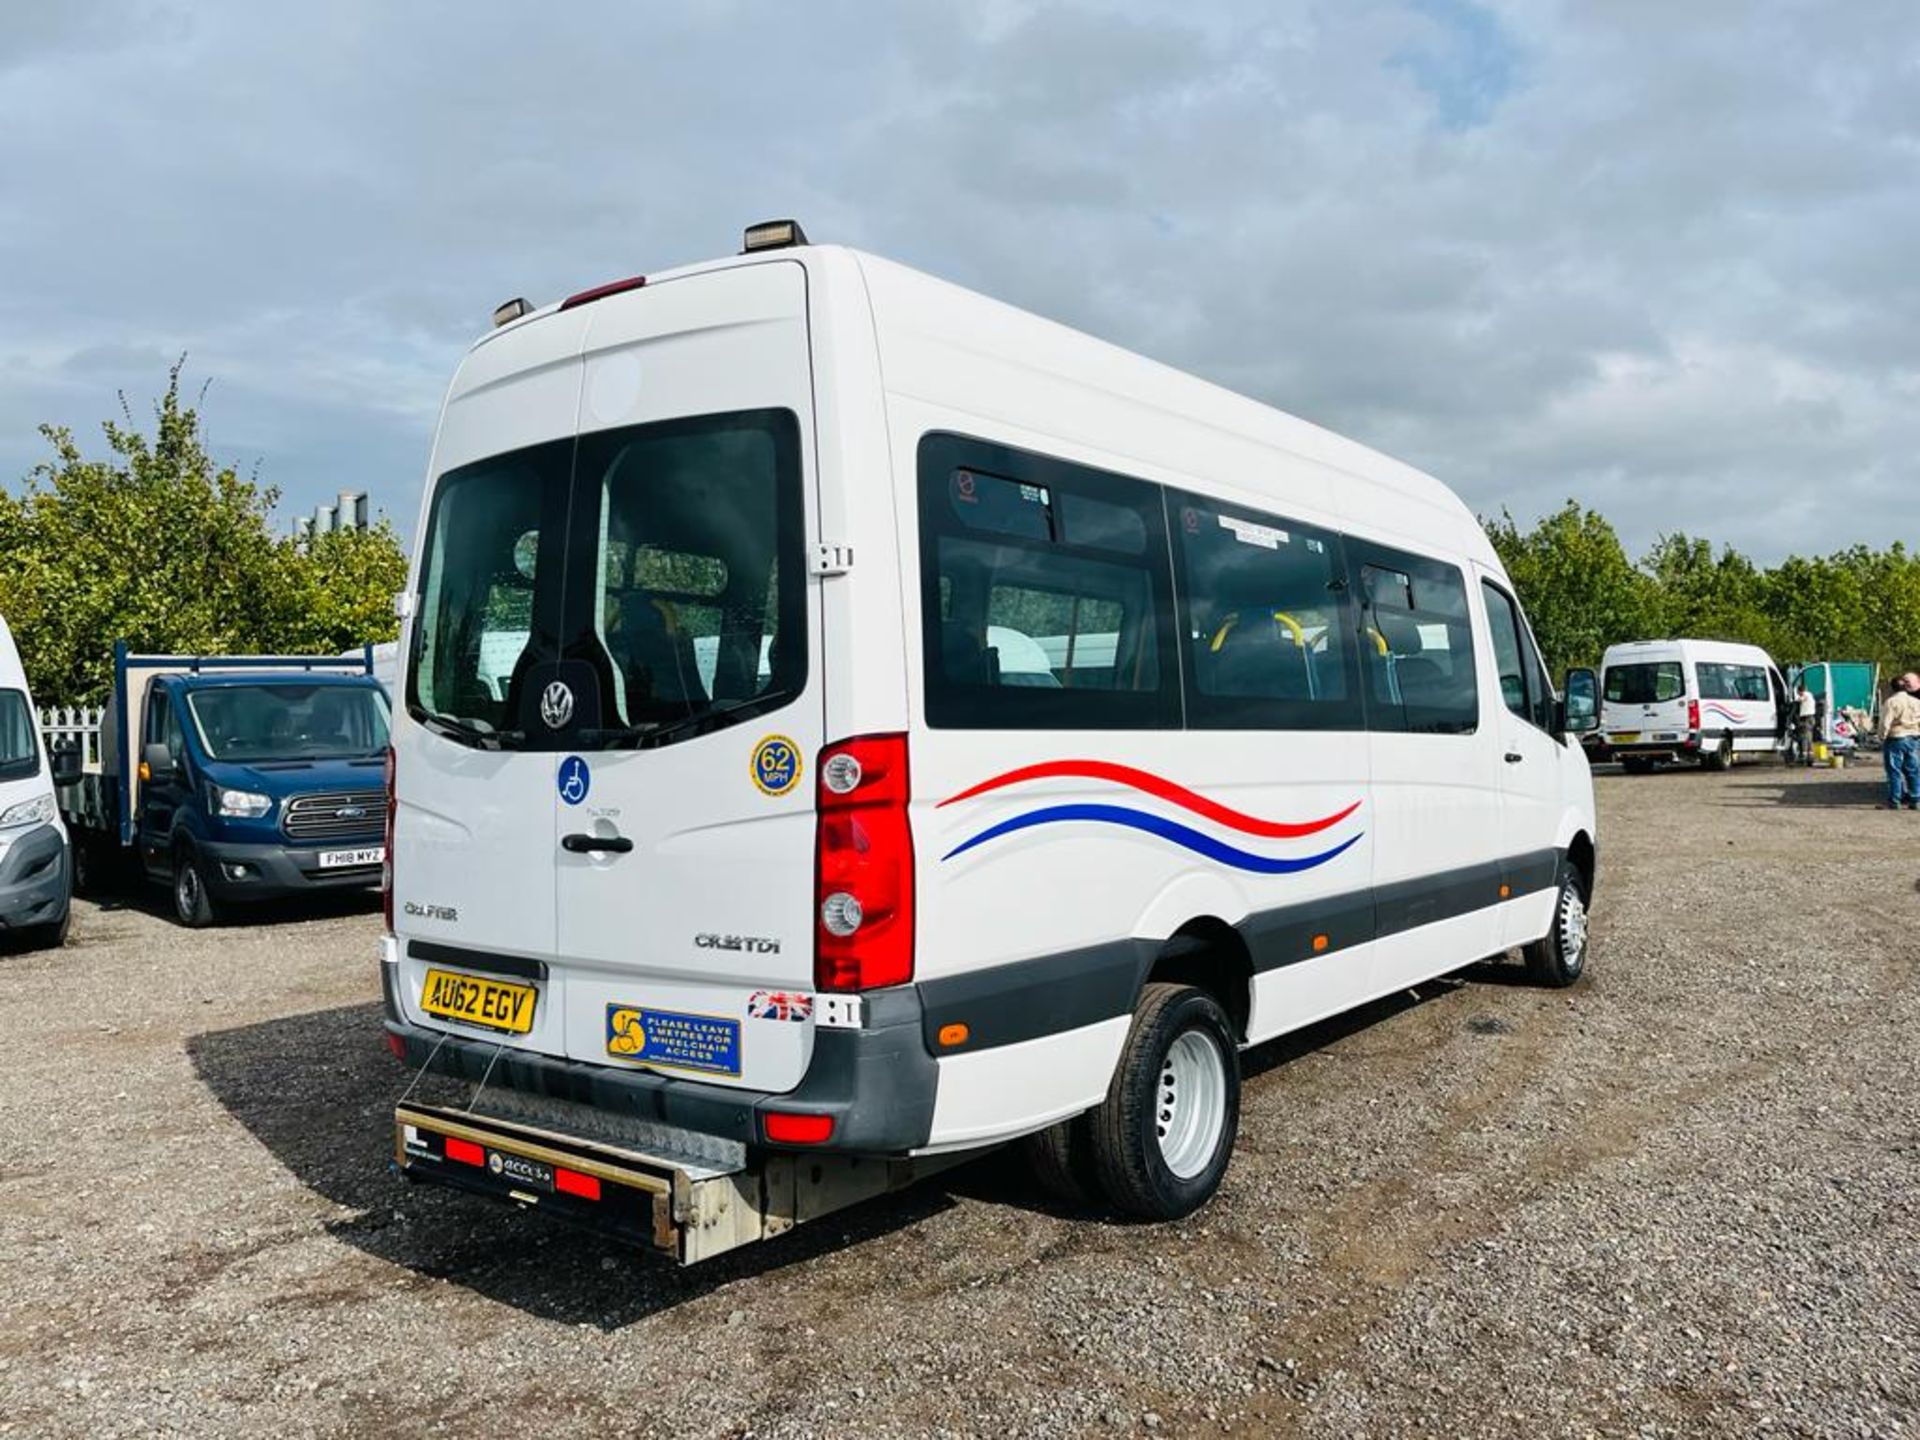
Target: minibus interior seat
1256,659
1425,682
656,654
965,658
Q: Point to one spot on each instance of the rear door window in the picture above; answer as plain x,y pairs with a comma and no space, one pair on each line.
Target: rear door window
699,600
1046,600
1646,683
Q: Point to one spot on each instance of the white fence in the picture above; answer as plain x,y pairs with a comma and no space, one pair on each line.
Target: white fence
76,724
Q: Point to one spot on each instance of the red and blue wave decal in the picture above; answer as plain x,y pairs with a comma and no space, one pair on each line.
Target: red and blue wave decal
1149,823
1713,708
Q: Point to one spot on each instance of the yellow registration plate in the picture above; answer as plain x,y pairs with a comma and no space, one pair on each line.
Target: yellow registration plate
480,1002
1625,737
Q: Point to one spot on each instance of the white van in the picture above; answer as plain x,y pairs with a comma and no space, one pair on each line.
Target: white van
1699,700
35,873
926,727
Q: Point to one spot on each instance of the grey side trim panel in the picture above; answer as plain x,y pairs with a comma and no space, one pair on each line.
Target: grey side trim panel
1051,994
1047,995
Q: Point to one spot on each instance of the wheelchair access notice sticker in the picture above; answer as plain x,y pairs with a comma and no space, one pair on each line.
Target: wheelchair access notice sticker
675,1041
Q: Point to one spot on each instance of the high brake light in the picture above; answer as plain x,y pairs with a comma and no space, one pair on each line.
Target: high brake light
601,292
863,866
386,865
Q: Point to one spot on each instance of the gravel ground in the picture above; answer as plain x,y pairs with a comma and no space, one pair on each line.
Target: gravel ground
1679,1199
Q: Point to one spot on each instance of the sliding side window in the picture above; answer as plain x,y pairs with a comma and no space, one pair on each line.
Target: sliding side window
1264,615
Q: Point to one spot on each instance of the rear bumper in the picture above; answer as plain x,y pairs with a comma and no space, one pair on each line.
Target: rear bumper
34,883
266,872
877,1082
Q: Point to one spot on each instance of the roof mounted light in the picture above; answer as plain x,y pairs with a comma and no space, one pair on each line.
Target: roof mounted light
600,292
773,235
508,311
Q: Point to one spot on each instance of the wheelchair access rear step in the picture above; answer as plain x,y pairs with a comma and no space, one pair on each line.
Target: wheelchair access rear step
672,1204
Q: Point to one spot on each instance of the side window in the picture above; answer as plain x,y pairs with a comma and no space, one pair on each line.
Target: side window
1416,643
163,726
1046,601
1523,679
1268,641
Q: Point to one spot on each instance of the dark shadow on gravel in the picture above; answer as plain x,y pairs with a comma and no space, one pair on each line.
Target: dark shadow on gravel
318,1092
154,899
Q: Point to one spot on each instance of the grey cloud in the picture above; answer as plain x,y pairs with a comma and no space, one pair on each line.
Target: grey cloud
1657,259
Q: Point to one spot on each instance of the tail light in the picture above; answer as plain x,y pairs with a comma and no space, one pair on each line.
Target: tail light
386,865
863,866
1693,714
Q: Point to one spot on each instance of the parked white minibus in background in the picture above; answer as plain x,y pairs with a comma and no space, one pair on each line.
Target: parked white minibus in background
36,876
844,723
1709,701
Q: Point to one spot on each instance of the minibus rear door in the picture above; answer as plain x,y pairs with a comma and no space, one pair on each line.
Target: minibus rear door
684,851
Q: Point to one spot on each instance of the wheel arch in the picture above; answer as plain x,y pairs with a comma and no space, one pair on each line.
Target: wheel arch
1208,953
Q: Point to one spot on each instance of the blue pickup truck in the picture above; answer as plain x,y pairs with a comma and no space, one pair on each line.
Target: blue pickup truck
234,778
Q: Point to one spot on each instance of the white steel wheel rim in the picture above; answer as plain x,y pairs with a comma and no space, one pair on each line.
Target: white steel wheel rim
1190,1104
1573,928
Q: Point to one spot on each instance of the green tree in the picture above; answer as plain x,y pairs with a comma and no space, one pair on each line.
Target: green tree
1578,587
157,544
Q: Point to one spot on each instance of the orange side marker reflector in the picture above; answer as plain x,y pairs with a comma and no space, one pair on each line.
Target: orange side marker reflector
465,1151
1505,891
1319,943
955,1034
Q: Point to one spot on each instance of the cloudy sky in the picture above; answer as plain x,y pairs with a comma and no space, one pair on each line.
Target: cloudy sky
1662,258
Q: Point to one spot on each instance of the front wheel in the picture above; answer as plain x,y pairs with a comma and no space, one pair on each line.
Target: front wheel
1558,958
192,901
1162,1138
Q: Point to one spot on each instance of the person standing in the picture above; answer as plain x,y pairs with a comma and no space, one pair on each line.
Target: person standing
1803,724
1900,742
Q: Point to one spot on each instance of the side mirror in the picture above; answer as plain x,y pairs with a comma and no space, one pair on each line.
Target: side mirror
157,761
65,762
1581,702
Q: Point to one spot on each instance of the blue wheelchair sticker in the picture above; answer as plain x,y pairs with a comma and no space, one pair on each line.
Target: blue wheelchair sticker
776,765
575,780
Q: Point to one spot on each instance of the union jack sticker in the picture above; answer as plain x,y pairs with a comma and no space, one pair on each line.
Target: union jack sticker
779,1005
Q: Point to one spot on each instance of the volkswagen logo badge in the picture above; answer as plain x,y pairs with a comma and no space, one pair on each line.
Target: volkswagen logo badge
556,704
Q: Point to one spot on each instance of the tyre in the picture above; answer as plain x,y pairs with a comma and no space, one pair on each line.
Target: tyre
192,901
1161,1140
1061,1162
1559,957
1721,758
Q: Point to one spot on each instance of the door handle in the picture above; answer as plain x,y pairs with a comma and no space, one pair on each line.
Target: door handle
589,844
1514,757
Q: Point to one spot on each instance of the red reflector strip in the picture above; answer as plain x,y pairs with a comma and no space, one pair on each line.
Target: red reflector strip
600,292
465,1151
784,1129
572,1182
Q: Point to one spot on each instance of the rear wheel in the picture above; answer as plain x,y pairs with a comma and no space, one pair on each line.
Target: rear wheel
1161,1140
192,901
1560,956
1721,758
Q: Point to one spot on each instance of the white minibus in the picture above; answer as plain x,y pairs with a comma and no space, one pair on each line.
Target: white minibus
845,723
36,875
1696,700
